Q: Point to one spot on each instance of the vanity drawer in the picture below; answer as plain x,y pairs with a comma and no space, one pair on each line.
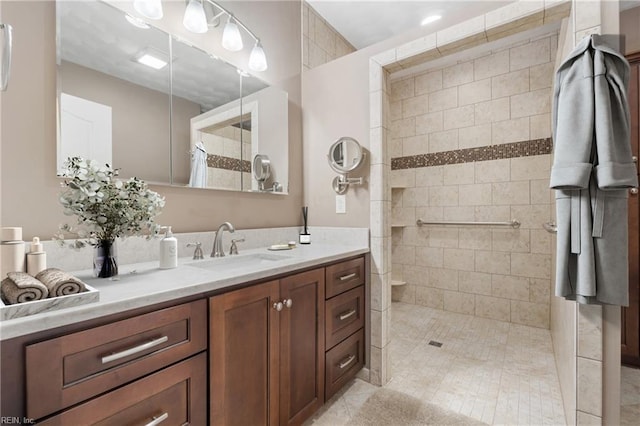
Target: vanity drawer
344,314
72,368
343,362
173,396
344,276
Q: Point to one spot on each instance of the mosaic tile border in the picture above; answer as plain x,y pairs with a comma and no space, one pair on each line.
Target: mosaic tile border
228,163
470,155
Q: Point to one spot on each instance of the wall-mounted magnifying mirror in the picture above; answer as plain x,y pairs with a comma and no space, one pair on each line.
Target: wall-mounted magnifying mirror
261,169
345,155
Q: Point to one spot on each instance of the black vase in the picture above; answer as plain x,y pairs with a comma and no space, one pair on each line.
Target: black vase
105,259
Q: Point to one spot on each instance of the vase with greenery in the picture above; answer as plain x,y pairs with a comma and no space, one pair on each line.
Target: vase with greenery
106,208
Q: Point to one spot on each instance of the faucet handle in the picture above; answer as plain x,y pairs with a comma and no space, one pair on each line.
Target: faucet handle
197,253
234,246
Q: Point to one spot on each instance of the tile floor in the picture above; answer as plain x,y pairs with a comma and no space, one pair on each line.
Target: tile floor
630,396
492,371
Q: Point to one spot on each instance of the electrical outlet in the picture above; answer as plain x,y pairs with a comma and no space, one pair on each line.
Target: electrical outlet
341,203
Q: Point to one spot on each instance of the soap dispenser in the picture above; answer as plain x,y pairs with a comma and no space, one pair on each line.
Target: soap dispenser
168,250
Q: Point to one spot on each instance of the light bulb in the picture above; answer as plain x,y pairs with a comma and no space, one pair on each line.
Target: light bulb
195,19
258,60
231,38
151,9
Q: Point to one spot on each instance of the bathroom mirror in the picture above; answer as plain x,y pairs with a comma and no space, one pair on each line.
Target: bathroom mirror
141,120
345,155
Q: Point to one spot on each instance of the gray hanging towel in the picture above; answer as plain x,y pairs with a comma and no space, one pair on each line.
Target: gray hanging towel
592,171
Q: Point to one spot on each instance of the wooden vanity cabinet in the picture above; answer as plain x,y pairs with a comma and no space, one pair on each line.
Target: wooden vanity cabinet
66,370
267,352
275,351
345,321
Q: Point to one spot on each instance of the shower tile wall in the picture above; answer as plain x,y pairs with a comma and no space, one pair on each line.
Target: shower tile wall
322,43
224,146
500,99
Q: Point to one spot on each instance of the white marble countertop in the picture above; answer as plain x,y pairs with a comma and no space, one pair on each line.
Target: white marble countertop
144,284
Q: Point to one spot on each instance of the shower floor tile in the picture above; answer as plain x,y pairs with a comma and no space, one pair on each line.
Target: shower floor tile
491,371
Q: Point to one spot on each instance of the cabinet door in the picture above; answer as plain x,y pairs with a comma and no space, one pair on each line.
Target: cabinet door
244,347
302,346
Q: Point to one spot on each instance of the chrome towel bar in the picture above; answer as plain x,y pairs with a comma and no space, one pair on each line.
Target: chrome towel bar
513,223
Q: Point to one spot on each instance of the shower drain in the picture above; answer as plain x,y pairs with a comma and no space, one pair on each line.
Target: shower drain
434,343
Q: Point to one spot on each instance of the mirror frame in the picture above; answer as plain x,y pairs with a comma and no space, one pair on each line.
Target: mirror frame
332,151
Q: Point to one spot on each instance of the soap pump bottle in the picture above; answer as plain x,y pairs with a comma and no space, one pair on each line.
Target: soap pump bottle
168,250
36,258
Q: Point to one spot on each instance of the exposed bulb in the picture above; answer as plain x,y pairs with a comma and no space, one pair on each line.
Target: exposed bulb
151,9
195,20
258,60
231,38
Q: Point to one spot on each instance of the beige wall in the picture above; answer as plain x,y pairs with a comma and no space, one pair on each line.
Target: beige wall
321,42
630,27
28,140
498,273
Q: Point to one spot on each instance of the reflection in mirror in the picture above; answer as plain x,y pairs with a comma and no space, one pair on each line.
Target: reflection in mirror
161,121
345,155
207,83
234,133
113,107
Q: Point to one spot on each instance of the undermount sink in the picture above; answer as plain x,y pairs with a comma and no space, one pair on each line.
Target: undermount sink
239,261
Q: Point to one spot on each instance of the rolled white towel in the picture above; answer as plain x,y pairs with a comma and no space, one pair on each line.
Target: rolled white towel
60,283
20,287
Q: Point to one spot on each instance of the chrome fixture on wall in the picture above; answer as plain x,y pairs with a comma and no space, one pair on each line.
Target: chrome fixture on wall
195,20
345,156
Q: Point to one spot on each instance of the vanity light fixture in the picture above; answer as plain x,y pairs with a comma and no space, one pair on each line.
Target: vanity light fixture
151,9
258,60
195,20
231,38
429,19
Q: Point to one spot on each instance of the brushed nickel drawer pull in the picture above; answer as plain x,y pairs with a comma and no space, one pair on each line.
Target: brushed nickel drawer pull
343,316
158,420
347,361
347,277
134,350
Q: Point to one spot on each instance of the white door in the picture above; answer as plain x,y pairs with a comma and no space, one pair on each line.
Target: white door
85,130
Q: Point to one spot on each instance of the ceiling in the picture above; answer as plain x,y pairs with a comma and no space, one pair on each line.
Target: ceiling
366,22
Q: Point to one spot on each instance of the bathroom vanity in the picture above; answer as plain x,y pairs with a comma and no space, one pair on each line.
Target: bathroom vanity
236,344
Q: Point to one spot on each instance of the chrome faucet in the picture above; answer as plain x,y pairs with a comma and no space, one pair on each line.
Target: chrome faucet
217,250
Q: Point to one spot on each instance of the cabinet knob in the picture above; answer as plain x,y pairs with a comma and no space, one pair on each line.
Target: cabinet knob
287,302
634,191
277,306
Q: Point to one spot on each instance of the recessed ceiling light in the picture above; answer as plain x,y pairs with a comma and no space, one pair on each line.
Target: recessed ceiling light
429,19
151,61
136,22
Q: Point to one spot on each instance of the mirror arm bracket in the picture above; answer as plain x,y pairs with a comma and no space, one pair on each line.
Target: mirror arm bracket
341,183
